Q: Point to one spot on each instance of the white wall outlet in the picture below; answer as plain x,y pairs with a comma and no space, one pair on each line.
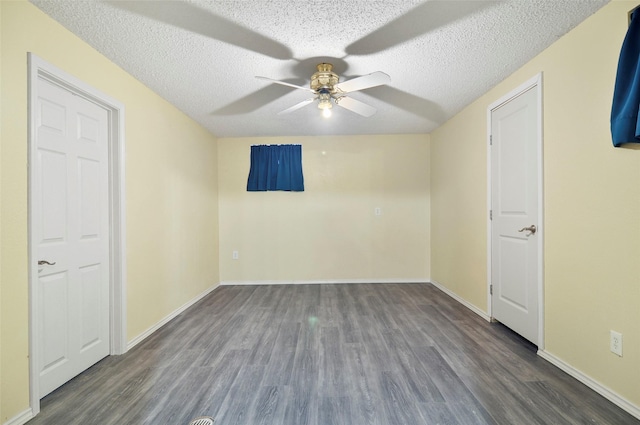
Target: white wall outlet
377,211
616,343
235,255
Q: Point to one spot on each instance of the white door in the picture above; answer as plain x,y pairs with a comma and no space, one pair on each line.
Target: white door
515,224
70,230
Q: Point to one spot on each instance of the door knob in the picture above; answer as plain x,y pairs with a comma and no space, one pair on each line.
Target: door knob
531,229
45,262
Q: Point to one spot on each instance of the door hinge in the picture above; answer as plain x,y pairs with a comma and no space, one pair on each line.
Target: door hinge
490,214
490,139
490,289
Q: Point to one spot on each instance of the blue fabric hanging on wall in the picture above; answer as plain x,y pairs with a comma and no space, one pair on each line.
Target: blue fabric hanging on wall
625,124
276,167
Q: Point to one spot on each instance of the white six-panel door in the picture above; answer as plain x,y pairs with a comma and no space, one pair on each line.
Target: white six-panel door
70,226
515,224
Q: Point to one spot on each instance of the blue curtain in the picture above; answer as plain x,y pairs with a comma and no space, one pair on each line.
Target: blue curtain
276,167
625,125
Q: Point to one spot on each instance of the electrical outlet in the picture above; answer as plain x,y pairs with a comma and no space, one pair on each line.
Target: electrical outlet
616,343
377,211
235,255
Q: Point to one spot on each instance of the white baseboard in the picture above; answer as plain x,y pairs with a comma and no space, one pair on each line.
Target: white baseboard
607,393
137,340
21,418
610,395
462,301
320,282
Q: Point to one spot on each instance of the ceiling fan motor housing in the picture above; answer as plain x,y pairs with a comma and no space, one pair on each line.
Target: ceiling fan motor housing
324,79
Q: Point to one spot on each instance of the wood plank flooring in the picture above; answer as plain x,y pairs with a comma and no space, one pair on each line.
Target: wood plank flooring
365,354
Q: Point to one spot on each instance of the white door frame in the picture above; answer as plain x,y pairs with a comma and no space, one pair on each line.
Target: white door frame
534,83
38,68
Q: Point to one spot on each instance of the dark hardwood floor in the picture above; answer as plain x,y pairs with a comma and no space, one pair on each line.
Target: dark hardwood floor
365,354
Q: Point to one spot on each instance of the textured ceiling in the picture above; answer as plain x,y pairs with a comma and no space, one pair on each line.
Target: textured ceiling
202,56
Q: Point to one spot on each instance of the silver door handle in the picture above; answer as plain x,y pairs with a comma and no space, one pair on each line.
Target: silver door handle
531,229
45,262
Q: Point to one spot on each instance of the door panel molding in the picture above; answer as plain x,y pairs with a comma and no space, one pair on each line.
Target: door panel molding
39,69
534,83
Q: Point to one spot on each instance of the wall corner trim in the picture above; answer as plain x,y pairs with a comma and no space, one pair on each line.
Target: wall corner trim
607,393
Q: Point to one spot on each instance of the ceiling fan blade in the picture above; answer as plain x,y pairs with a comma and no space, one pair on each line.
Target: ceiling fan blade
297,106
356,106
409,102
360,83
285,83
253,101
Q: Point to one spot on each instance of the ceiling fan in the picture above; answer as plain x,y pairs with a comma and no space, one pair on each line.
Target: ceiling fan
328,90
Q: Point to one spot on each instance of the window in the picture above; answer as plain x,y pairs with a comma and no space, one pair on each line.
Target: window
276,167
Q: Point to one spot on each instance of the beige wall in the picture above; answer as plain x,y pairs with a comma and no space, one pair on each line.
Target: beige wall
592,205
171,188
329,231
458,206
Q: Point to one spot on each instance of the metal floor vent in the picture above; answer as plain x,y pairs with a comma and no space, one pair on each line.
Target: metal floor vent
202,420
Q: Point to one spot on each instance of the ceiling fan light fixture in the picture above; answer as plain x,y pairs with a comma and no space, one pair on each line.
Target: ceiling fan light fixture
324,101
325,104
